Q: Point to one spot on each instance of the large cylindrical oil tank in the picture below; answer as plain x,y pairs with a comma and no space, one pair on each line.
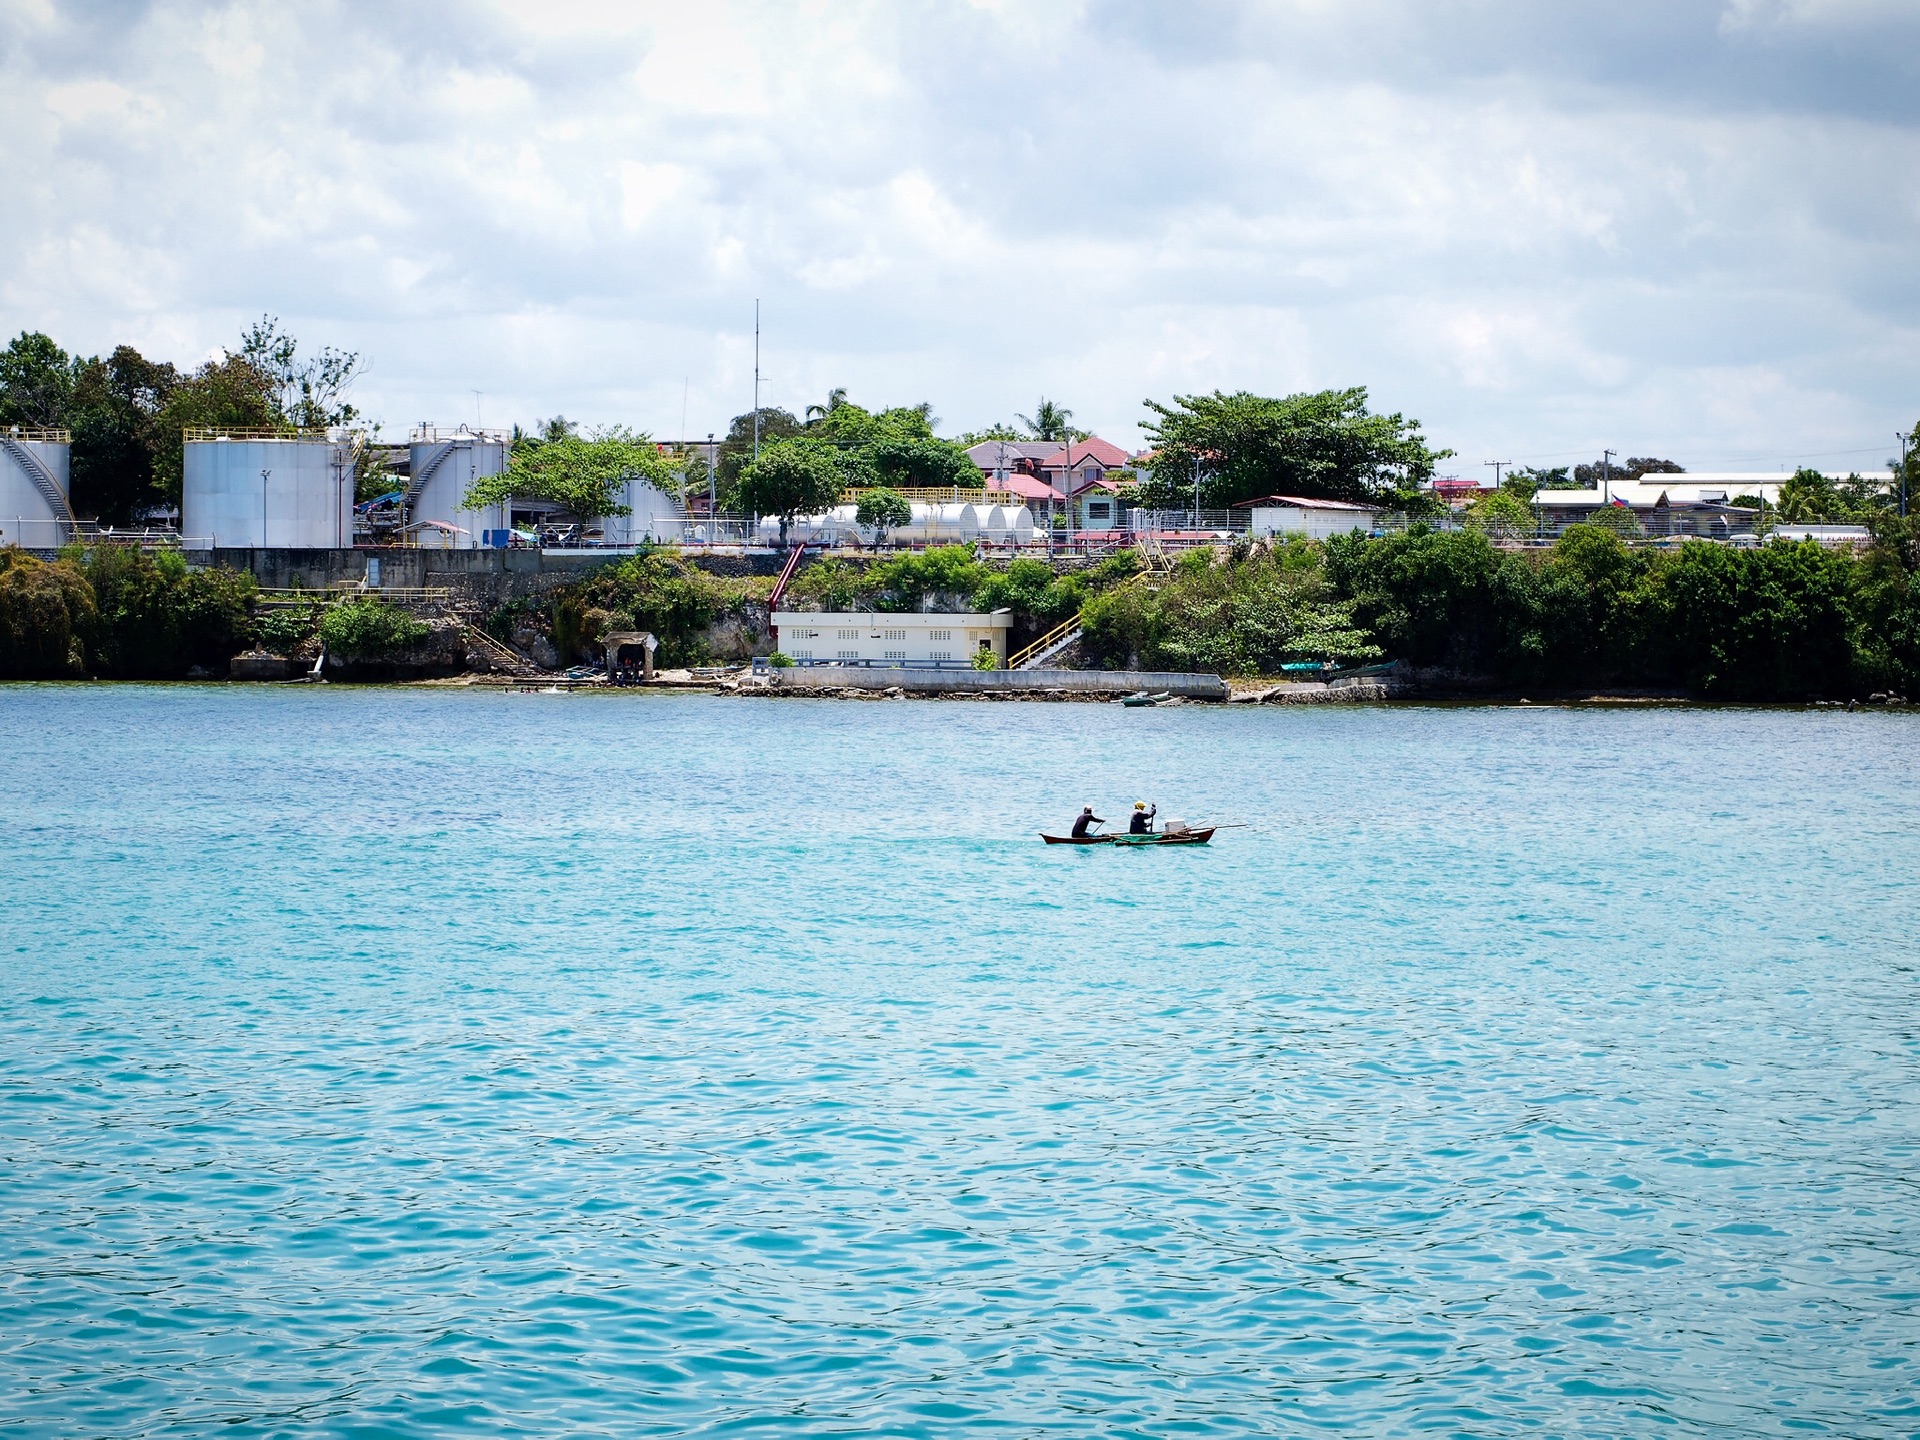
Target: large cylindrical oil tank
656,517
442,464
33,488
257,491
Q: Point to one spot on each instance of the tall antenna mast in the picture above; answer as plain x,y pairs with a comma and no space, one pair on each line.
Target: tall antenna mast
756,381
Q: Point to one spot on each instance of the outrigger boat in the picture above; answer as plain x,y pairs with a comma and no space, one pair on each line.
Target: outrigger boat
1163,837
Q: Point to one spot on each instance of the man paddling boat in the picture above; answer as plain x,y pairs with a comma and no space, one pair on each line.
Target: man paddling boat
1142,822
1087,819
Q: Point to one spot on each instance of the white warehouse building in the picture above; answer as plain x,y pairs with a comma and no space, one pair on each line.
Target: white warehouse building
441,466
837,637
259,490
34,511
1298,515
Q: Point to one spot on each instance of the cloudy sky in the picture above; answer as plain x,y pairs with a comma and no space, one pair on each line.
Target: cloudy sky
1676,227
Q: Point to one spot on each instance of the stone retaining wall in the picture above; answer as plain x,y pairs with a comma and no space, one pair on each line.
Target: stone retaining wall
937,682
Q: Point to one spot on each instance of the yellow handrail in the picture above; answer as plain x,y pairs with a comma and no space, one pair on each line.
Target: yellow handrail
196,433
1051,638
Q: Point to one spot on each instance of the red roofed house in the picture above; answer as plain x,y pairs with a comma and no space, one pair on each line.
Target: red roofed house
1052,476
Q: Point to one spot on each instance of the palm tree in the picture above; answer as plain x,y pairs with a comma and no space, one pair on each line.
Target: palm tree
836,397
1049,421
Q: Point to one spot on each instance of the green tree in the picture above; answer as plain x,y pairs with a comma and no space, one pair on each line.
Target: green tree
158,619
736,450
1323,446
36,382
883,510
1771,623
369,629
308,394
1502,513
1248,615
586,476
47,617
998,430
1427,596
836,398
1527,481
792,477
115,417
1620,519
1050,422
228,393
1808,497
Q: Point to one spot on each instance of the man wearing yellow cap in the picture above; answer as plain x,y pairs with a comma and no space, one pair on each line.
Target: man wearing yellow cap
1142,822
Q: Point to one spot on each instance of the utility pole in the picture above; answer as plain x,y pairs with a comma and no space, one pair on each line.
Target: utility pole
1606,477
1497,465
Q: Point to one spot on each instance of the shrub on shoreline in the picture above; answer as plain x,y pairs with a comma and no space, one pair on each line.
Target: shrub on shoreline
369,629
47,617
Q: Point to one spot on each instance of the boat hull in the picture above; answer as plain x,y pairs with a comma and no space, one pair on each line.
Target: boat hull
1185,837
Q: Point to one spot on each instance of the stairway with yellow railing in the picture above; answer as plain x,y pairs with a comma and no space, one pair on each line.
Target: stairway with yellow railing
1067,633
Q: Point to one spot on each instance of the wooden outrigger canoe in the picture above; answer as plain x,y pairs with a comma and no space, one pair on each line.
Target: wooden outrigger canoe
1182,837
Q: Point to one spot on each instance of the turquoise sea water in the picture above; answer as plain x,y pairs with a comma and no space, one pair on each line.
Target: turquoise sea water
384,1062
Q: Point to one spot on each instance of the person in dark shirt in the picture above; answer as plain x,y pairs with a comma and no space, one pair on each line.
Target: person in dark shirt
1087,817
1142,822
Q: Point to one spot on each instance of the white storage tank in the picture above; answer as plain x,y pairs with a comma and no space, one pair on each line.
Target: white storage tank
33,488
255,489
441,465
657,517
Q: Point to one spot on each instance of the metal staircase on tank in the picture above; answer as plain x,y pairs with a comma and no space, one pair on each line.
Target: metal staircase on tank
417,481
43,481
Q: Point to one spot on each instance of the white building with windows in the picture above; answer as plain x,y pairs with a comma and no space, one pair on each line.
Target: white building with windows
833,637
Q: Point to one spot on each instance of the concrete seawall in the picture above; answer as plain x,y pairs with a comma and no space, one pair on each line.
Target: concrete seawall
986,682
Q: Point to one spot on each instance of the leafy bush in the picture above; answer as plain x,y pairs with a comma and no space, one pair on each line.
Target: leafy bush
903,582
780,660
1771,623
370,629
1246,617
1424,595
985,660
47,616
158,619
657,591
884,510
286,630
831,584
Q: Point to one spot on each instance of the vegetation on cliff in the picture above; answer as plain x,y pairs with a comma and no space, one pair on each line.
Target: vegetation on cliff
1778,622
656,591
368,629
118,611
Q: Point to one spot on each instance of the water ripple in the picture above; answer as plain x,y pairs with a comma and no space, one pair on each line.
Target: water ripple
388,1063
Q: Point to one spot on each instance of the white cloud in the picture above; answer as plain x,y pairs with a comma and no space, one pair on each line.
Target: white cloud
1664,229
